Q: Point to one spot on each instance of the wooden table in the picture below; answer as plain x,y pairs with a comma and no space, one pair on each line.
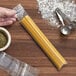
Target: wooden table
24,48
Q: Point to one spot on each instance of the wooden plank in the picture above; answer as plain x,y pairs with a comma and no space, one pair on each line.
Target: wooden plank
24,47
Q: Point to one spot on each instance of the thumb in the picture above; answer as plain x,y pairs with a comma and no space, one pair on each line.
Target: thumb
9,12
5,12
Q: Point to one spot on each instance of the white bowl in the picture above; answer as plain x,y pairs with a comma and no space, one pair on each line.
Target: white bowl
8,38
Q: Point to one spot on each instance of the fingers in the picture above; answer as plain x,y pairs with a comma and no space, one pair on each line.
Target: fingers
13,19
7,21
5,12
7,16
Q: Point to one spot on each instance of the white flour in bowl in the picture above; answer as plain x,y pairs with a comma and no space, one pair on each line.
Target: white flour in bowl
47,8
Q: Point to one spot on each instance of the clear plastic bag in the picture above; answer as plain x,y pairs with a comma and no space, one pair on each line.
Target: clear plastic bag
16,67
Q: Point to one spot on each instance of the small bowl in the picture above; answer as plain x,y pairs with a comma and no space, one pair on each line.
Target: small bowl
8,36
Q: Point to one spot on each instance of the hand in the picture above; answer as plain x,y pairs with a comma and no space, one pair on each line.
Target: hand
7,16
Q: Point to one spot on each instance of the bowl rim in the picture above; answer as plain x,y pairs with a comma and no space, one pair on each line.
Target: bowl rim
9,39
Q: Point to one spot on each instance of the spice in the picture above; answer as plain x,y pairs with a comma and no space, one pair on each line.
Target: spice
3,40
47,8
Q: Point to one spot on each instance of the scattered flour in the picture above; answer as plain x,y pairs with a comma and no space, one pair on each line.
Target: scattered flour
47,8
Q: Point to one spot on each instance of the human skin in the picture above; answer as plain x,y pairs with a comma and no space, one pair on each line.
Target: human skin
7,16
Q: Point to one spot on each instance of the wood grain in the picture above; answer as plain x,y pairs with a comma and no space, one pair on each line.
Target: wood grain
25,48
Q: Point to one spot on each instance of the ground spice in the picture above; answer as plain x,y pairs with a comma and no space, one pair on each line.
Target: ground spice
3,40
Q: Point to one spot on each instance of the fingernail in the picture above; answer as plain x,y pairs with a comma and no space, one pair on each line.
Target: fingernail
15,15
14,19
10,22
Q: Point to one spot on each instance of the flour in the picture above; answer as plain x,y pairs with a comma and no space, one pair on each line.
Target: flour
47,8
